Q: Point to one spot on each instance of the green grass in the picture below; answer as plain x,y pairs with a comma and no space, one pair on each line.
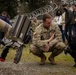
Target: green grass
28,57
63,60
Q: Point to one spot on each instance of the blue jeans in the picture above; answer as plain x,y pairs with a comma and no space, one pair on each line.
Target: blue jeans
63,33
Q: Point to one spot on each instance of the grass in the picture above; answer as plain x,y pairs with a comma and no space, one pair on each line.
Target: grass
29,57
64,62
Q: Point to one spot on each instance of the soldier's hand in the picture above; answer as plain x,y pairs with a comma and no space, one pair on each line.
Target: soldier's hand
46,49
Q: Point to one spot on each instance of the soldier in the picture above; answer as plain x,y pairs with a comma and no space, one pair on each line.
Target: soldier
58,20
35,23
47,38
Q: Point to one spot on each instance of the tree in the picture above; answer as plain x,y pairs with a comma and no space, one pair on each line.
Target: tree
10,6
34,4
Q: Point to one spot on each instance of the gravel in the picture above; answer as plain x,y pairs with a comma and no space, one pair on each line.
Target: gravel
33,68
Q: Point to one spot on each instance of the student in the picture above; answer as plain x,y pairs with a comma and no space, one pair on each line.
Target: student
58,20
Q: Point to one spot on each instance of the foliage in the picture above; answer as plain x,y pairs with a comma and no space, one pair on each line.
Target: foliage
35,4
10,6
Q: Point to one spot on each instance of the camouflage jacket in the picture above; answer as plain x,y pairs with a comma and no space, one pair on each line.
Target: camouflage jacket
41,35
34,25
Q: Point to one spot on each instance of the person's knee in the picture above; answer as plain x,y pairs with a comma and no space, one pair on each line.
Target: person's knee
60,46
33,49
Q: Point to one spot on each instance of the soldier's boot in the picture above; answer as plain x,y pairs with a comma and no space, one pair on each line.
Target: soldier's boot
53,55
38,53
52,60
57,50
43,59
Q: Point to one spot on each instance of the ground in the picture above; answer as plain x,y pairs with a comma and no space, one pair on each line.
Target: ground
29,65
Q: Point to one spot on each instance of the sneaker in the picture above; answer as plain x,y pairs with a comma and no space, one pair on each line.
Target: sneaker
15,62
74,65
2,60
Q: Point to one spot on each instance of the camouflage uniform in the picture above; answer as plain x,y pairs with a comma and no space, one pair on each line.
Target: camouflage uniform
34,25
40,37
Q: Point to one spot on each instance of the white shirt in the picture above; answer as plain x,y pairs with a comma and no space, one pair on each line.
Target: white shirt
58,20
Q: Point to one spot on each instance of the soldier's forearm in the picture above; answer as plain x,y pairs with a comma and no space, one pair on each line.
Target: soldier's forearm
52,37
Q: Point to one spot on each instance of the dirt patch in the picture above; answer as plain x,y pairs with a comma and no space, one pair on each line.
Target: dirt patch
33,68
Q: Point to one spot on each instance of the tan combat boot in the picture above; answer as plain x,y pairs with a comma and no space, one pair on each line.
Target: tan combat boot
42,62
52,61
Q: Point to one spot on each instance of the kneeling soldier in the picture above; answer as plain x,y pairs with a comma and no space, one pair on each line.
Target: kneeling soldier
47,38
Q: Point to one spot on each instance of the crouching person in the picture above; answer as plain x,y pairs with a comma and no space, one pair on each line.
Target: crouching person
47,38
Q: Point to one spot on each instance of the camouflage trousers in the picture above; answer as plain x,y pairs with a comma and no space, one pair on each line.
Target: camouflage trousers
55,47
